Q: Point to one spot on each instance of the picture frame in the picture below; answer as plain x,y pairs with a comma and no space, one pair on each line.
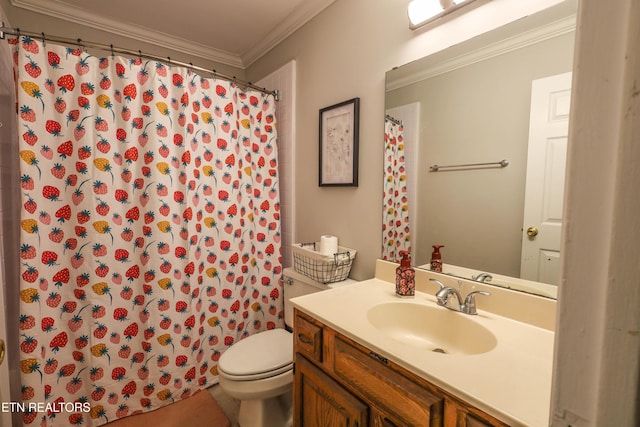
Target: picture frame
338,144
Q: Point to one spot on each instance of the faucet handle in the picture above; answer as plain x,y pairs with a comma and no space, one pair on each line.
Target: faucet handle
439,283
470,301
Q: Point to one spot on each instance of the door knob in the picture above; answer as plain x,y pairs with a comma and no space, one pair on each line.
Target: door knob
2,351
532,231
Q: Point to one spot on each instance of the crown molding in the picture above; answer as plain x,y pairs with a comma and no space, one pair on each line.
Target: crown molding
66,12
284,29
527,38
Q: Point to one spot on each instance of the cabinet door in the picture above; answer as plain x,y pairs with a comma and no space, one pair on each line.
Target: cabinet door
319,401
380,419
460,415
397,398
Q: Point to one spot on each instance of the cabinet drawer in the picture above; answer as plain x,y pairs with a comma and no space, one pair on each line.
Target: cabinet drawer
307,337
403,401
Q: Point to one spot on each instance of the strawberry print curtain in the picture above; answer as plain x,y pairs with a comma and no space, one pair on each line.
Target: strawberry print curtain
396,235
150,230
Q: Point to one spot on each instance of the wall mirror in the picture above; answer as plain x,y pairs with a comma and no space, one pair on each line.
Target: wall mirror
473,103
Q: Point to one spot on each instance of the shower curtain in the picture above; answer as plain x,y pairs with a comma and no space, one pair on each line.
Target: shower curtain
150,230
396,234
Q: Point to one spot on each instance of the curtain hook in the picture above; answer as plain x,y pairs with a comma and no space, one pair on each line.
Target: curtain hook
139,54
79,43
169,61
44,41
112,53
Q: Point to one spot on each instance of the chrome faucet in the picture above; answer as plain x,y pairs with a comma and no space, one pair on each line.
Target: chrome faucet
444,299
482,277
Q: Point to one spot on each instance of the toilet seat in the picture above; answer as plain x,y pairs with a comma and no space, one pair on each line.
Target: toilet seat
262,355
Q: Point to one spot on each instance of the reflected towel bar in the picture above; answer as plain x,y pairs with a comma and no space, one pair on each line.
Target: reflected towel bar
502,164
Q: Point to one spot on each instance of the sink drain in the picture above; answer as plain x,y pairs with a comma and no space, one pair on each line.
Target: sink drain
439,350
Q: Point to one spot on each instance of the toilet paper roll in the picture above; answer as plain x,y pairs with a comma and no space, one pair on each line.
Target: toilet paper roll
328,245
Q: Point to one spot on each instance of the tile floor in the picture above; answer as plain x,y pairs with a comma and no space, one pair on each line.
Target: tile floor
229,405
197,410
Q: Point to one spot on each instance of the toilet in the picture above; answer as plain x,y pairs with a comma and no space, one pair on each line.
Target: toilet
258,370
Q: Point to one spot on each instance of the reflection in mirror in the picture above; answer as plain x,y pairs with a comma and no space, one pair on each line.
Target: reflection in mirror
472,103
396,229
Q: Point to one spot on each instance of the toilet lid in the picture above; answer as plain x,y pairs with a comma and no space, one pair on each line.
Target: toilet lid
259,353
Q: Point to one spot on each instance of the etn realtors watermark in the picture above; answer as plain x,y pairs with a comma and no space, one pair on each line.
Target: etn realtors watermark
70,407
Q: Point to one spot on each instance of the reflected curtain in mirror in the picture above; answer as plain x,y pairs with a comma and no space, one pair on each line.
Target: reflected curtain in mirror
396,234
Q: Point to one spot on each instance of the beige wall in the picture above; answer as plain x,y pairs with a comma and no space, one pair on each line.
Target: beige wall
340,55
474,114
344,53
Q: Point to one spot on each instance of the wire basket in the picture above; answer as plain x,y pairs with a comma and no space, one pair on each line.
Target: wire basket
319,267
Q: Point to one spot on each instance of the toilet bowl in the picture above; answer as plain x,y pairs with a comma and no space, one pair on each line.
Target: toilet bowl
258,370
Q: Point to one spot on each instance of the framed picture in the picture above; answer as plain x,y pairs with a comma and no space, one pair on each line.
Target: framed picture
339,144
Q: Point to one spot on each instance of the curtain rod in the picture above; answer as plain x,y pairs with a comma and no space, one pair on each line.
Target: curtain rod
394,120
84,44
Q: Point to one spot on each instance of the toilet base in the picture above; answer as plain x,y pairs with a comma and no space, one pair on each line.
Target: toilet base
272,412
265,402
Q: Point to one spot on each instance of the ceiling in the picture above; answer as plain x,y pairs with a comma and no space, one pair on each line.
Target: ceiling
235,33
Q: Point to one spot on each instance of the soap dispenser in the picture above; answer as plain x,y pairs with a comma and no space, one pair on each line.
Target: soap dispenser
436,259
405,277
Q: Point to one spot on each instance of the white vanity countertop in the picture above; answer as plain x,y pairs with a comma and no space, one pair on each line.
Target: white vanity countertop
511,382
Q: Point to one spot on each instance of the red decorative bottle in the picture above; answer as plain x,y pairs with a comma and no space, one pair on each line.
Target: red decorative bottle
405,277
436,259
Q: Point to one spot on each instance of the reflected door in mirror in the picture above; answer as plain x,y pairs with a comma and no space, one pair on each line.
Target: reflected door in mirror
544,192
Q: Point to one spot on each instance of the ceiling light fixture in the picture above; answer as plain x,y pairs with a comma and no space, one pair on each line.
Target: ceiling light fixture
422,12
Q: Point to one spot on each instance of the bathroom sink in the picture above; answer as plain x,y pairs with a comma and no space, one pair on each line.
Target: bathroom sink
432,328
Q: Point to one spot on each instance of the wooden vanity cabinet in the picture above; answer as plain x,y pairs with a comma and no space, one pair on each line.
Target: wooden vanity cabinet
339,382
323,402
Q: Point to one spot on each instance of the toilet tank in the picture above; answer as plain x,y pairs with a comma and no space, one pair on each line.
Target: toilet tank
296,284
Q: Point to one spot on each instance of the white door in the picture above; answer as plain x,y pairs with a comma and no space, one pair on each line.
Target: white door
544,192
